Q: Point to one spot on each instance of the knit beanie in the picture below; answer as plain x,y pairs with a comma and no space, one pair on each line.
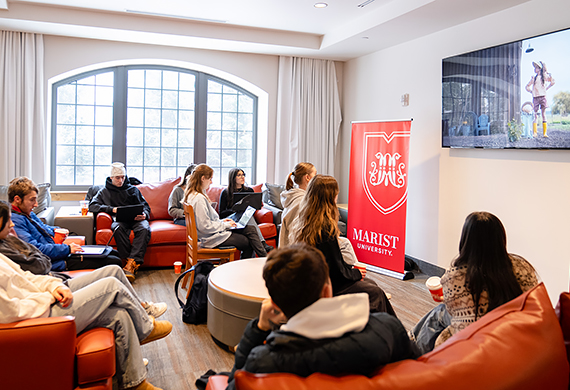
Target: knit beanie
118,169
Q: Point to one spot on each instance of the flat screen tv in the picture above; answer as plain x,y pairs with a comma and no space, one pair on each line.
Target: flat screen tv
515,95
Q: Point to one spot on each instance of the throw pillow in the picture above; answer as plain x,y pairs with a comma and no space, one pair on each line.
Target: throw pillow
4,193
275,191
44,197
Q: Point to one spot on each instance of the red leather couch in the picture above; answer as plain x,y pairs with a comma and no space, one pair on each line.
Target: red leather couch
168,241
518,346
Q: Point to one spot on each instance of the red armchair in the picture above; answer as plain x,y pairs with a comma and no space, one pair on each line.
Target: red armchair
46,354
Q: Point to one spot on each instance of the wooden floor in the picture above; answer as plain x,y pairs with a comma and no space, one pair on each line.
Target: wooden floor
189,351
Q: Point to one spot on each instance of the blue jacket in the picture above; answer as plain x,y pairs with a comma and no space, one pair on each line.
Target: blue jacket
33,231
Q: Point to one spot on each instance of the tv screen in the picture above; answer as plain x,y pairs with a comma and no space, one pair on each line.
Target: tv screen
515,95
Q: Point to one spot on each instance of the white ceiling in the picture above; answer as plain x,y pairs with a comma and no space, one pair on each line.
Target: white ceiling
341,31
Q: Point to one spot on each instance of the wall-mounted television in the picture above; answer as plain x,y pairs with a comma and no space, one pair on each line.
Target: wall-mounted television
515,95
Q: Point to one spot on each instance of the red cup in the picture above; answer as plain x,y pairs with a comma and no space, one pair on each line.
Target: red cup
435,288
177,267
59,235
84,206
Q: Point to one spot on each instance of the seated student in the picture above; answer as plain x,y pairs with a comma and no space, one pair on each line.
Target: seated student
326,334
212,231
175,206
116,193
482,277
318,227
102,298
23,195
236,183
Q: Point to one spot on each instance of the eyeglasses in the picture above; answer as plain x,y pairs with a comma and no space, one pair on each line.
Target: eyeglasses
240,175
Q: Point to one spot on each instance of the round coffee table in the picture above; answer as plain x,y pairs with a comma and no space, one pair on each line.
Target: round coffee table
235,293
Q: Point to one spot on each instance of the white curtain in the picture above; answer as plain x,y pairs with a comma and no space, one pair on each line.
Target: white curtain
22,126
308,115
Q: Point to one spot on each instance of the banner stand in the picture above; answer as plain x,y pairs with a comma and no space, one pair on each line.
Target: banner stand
407,275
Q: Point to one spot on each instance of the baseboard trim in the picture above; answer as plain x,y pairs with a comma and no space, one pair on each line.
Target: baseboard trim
427,268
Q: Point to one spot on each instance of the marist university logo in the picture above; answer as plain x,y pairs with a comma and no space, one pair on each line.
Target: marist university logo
385,169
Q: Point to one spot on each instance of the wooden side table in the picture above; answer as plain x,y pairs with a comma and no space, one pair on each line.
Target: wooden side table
70,217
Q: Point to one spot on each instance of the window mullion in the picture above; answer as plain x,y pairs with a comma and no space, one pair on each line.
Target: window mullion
200,118
120,115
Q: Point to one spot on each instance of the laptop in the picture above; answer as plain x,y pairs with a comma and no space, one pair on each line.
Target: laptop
244,199
92,249
241,219
128,213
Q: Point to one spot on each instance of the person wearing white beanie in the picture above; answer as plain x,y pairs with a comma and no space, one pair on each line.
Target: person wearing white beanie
119,192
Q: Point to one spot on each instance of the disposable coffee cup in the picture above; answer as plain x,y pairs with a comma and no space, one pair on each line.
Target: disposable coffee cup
177,267
59,235
435,288
84,206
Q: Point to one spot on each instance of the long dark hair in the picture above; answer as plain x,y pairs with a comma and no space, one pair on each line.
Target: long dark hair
4,214
483,249
187,174
232,175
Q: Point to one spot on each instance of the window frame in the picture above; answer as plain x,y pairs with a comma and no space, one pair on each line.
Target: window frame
120,88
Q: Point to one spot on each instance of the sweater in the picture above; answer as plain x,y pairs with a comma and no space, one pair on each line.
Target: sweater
175,200
24,295
225,206
211,230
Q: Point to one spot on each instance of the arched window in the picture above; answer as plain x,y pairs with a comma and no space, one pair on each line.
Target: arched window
155,119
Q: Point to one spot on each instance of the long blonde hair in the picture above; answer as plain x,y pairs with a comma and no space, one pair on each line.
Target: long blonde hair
301,169
195,182
319,213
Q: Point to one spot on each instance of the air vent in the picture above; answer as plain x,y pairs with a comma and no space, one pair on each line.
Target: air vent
364,4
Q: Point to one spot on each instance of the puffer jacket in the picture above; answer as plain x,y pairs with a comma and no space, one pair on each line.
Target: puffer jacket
383,340
112,196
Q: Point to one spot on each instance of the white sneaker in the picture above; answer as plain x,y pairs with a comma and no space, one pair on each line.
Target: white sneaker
155,309
145,361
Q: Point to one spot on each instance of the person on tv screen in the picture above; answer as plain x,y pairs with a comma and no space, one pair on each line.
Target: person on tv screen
541,82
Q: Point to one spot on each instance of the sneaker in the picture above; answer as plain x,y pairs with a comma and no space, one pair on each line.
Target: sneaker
160,329
145,362
155,309
388,296
144,386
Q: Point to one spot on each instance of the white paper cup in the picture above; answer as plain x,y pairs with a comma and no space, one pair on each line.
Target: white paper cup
435,288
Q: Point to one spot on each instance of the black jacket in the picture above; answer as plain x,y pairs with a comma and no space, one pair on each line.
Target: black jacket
111,196
383,340
226,205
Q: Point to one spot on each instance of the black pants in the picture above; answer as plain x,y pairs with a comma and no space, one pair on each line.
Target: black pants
77,261
247,241
141,230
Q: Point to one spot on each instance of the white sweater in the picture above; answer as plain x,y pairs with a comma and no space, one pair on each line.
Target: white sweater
211,230
24,295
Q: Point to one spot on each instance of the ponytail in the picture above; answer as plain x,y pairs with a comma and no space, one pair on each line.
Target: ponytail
301,169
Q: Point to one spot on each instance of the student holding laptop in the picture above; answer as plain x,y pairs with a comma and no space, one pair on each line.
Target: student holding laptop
119,199
212,231
236,185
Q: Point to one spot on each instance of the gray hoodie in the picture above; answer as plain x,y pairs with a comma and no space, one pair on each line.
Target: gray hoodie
291,201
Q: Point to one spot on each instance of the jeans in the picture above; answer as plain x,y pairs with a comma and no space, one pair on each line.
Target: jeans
427,330
105,299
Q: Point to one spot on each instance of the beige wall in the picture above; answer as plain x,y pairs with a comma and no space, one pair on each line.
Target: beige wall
64,54
527,189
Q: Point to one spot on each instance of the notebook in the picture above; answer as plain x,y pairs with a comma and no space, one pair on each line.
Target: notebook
241,219
128,213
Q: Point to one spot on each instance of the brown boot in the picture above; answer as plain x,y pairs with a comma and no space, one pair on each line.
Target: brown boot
160,329
144,386
130,269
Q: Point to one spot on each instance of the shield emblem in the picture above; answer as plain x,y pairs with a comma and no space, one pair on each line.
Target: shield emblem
385,169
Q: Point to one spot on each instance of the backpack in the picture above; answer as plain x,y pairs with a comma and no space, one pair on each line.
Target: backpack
195,310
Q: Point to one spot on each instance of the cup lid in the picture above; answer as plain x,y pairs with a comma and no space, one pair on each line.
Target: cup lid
433,282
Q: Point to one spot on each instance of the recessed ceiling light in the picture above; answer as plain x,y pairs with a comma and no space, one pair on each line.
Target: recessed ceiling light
321,5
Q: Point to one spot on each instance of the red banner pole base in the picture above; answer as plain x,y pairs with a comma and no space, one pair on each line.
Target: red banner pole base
387,272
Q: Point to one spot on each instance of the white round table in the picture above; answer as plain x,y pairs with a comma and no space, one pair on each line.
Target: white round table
235,293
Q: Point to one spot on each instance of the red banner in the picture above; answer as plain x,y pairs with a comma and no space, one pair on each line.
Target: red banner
378,193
